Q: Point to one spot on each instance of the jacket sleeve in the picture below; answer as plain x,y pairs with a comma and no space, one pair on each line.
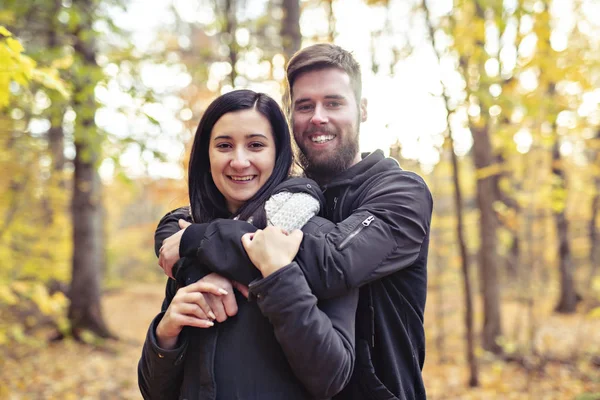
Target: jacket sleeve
384,234
316,337
168,226
160,372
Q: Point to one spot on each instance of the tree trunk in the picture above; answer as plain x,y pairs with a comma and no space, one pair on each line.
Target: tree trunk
488,260
460,232
55,134
85,310
567,302
291,36
594,232
513,257
230,29
331,31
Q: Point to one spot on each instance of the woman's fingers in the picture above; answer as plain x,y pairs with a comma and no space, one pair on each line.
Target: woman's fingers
198,323
202,286
198,299
192,309
217,306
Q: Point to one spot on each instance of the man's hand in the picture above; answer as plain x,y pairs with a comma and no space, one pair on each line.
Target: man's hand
272,248
222,306
169,251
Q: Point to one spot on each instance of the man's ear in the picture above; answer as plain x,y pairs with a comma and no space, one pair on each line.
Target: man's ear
363,109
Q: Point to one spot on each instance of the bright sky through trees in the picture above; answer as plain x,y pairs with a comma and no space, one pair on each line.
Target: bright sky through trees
403,104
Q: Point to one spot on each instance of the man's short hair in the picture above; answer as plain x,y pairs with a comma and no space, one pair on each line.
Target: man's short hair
321,56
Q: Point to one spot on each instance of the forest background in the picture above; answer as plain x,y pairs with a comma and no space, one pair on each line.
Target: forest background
496,103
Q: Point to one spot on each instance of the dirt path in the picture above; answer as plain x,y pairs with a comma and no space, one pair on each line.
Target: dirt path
68,370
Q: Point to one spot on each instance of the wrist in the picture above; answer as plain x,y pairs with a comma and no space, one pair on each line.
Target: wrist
164,340
270,268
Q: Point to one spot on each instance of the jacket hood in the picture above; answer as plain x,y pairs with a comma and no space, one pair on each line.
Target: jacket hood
301,185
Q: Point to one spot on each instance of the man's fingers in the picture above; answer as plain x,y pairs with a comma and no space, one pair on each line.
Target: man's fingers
183,224
243,289
230,304
162,263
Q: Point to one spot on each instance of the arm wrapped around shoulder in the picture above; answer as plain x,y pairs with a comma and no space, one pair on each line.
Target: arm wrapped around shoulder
291,210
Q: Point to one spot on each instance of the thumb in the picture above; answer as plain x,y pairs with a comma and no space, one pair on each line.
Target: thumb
183,224
247,240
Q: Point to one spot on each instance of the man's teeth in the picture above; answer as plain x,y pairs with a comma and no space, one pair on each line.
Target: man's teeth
322,138
242,178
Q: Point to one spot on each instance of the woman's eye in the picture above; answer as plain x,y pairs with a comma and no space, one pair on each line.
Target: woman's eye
256,145
223,145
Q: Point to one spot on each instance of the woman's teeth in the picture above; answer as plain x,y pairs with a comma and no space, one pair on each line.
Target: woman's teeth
242,178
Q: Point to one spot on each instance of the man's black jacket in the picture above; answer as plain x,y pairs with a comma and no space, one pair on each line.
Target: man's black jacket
380,244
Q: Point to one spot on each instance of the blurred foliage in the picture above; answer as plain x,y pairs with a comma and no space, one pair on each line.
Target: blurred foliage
156,94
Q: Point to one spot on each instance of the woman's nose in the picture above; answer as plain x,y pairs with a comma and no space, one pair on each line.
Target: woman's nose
240,160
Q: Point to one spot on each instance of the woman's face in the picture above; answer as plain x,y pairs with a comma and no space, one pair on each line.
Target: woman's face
242,155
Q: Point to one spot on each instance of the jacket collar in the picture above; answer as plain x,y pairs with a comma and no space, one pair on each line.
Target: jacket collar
357,171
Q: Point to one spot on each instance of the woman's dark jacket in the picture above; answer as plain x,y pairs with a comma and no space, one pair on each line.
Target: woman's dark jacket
380,245
310,354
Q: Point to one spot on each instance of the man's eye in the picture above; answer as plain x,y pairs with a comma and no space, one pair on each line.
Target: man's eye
305,107
334,104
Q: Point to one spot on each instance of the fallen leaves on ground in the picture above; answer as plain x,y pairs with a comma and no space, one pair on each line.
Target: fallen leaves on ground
69,370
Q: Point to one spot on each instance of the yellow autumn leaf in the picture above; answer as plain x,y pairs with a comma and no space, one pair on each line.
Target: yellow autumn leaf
4,31
49,78
63,62
14,45
7,296
22,288
594,314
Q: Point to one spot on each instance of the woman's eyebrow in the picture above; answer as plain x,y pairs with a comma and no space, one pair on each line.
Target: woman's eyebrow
248,136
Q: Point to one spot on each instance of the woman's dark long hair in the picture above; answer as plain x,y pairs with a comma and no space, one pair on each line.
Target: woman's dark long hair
206,202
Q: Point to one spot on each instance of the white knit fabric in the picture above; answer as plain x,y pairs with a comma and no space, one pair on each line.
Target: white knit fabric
291,210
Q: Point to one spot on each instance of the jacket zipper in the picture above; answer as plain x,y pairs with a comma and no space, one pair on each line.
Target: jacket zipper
356,231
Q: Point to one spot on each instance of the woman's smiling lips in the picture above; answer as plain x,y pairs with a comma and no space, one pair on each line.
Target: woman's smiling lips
241,179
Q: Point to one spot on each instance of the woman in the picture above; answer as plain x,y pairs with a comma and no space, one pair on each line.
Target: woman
240,159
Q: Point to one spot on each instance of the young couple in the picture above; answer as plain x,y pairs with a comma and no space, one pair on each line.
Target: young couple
335,273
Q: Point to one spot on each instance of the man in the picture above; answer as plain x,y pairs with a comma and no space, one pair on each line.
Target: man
380,242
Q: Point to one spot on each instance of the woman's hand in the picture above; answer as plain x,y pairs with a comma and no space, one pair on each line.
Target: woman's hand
189,307
222,306
169,251
272,248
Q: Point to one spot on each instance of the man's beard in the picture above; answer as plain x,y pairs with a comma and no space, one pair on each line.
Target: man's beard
324,169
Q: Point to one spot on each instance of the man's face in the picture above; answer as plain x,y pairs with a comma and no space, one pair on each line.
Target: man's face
325,121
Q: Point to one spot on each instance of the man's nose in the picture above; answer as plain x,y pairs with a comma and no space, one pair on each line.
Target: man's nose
320,116
240,160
